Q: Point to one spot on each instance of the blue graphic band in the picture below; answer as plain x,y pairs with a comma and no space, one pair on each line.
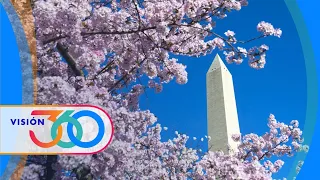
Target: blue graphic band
304,14
15,66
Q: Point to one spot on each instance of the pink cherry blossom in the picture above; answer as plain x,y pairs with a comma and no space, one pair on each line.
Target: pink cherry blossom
107,47
229,33
267,29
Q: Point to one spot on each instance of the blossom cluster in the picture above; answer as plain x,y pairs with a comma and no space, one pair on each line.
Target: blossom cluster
95,52
137,151
138,36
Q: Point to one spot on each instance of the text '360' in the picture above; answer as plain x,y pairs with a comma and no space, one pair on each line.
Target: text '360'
54,129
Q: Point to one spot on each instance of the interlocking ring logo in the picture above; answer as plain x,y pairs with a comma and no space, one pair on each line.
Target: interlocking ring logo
56,129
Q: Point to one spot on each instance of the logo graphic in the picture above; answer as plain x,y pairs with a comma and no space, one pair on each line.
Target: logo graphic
65,117
54,129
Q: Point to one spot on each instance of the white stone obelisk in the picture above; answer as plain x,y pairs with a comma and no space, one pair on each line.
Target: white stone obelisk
221,108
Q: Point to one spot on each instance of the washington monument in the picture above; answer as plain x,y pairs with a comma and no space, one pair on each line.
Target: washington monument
222,113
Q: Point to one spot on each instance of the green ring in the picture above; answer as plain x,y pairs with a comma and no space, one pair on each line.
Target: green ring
312,82
65,117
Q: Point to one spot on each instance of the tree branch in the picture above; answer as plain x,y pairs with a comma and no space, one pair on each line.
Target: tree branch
116,32
70,60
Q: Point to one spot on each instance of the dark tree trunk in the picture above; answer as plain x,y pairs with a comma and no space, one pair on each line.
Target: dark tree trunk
49,171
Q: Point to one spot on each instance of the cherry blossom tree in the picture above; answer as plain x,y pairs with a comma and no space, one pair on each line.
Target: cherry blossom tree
96,52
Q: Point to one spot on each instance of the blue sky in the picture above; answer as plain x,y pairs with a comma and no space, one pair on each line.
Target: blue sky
279,88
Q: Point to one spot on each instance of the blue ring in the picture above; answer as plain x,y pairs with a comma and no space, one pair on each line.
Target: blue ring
97,139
